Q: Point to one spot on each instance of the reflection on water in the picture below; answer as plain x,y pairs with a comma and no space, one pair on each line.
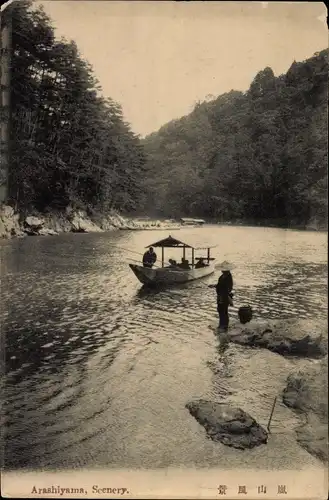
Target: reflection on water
98,369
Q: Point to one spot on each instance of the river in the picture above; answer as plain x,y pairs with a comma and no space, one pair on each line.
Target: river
98,372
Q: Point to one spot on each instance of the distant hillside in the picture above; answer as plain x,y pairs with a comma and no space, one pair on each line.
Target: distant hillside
254,156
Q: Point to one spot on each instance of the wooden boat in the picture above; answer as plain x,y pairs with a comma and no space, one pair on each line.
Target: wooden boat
199,267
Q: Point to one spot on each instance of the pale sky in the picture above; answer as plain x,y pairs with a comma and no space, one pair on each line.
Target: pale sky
158,58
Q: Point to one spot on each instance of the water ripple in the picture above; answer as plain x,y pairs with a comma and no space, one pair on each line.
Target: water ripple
98,370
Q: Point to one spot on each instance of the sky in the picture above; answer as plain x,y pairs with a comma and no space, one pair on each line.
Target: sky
158,58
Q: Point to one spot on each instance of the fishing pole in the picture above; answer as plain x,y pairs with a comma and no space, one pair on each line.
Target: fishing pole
217,266
126,249
137,253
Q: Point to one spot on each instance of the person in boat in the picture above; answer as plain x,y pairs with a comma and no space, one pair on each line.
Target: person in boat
224,289
172,263
200,264
149,258
184,264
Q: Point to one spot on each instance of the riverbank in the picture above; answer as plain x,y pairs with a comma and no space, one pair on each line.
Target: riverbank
304,344
312,225
15,225
307,393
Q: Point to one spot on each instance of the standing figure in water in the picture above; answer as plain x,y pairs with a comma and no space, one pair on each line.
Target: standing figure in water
224,289
149,258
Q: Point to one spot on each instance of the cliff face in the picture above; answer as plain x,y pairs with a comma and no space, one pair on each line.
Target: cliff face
15,225
76,221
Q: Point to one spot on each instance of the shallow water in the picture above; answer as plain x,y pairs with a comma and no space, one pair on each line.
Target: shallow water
98,371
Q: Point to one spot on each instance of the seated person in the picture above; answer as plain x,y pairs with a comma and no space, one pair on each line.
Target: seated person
184,264
172,263
200,264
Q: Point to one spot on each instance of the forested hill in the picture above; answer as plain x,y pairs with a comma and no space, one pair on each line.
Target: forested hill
69,145
254,156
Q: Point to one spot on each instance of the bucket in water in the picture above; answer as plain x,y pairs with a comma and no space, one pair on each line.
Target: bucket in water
245,314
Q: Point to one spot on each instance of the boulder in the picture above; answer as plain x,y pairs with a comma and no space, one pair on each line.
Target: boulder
9,223
313,436
306,389
286,337
59,223
46,231
114,221
231,426
7,211
81,224
307,392
34,223
104,224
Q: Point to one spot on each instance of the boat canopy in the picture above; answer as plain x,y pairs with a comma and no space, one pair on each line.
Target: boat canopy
171,242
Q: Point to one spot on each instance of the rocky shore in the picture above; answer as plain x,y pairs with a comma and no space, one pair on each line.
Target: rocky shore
307,393
14,225
307,390
303,338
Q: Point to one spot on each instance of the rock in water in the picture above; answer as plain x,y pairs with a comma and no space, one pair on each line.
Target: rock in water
307,392
231,426
286,337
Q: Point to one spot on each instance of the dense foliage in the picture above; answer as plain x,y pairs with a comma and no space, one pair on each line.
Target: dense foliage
69,145
254,156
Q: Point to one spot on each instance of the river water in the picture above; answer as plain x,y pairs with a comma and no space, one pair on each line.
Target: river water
98,371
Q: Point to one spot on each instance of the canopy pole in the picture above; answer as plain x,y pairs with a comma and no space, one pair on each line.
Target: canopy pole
208,255
162,256
184,252
192,257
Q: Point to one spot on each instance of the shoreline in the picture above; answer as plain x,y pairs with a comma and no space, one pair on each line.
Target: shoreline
16,225
302,386
311,226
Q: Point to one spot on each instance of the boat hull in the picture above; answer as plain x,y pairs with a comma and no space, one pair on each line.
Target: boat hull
169,276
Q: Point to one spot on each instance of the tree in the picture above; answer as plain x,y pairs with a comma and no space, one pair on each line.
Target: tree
257,156
69,145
